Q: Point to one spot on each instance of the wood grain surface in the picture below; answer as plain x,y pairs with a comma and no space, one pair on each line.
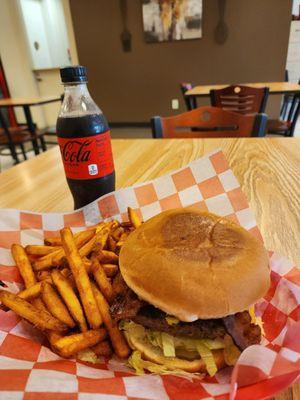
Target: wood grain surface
274,87
268,171
27,101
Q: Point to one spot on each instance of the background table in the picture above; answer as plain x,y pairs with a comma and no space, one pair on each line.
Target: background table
274,88
267,169
26,103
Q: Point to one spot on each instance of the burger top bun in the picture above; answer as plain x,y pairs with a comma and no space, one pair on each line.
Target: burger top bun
195,265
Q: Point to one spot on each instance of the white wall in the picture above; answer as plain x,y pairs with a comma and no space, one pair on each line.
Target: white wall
16,58
45,25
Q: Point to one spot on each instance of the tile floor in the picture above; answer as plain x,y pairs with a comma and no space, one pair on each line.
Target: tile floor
6,162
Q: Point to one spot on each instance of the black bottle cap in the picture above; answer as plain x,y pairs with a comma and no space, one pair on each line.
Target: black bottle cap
73,73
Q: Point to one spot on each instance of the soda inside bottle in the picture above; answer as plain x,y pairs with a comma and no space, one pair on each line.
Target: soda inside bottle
84,140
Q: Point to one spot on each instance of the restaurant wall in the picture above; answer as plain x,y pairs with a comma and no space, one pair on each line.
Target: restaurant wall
134,86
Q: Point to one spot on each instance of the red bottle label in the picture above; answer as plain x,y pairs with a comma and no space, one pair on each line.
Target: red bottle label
87,157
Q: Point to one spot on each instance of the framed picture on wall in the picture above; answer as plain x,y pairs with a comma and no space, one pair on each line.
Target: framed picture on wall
170,20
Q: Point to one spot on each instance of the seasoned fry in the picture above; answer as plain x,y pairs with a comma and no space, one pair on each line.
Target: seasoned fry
55,258
46,261
81,278
111,243
55,241
32,292
43,275
68,346
88,247
103,349
110,269
87,264
101,238
53,336
107,257
126,224
24,309
36,250
23,265
67,293
55,305
117,339
133,217
122,239
102,280
117,233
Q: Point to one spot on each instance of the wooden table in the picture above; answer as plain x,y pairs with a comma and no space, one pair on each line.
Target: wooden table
274,88
267,169
26,103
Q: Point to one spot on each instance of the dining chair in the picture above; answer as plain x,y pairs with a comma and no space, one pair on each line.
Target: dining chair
209,122
240,99
190,102
286,126
13,137
287,99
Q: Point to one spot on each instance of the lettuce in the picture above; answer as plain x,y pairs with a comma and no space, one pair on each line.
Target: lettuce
172,320
208,358
256,320
213,344
168,345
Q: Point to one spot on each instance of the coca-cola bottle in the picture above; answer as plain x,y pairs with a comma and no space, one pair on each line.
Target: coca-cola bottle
84,140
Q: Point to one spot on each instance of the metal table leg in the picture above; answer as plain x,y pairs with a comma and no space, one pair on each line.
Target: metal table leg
31,128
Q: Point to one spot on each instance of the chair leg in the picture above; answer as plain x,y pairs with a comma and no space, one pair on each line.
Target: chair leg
13,153
23,151
43,143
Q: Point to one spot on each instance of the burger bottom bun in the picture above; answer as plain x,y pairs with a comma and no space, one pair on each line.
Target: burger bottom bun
155,354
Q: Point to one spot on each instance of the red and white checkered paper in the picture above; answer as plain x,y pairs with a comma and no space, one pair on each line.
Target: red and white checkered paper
30,371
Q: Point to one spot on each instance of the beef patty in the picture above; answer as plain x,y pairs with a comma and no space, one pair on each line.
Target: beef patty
128,306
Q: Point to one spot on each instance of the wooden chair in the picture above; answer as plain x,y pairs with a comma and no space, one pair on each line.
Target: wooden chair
240,99
11,138
190,102
209,122
287,125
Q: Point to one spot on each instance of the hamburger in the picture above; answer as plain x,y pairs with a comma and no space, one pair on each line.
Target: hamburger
190,281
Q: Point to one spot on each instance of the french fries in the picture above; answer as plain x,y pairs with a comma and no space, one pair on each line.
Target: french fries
55,241
43,275
102,280
117,339
47,261
39,250
69,283
55,258
107,257
71,300
81,278
103,349
24,309
55,305
112,244
23,265
32,292
110,269
133,217
67,346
